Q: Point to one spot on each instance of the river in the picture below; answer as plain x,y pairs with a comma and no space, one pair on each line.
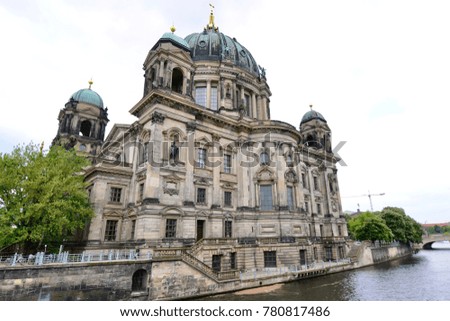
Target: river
421,277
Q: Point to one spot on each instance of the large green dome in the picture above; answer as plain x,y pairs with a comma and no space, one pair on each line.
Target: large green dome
88,96
214,45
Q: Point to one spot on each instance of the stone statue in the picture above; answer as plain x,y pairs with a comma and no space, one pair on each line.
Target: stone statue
173,152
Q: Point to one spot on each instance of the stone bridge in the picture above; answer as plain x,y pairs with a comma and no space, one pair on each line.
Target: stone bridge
428,240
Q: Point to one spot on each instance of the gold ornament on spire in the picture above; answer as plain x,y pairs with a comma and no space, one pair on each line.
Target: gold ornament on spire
172,28
211,25
90,83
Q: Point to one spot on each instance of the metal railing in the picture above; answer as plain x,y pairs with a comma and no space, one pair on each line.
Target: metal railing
42,258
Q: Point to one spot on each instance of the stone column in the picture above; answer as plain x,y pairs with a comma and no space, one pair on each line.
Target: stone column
220,94
189,191
152,183
241,172
327,193
253,112
264,109
184,86
252,192
311,191
235,96
208,94
161,73
216,189
258,108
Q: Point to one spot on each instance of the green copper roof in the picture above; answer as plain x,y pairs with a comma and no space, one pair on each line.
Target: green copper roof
178,41
88,96
312,114
214,45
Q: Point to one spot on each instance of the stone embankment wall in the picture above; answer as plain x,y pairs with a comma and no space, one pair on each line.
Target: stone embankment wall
174,279
161,279
76,281
366,254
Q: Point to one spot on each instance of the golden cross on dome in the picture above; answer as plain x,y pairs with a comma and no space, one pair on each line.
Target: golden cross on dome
90,83
211,24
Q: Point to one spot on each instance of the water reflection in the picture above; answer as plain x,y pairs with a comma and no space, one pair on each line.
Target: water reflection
423,276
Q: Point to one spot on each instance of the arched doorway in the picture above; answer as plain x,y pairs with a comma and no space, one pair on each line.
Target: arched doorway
139,281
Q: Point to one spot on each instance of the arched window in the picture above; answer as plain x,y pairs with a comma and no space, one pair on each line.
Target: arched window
177,80
139,281
85,128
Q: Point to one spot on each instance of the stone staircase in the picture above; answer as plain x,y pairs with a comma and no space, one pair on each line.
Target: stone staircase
207,270
186,256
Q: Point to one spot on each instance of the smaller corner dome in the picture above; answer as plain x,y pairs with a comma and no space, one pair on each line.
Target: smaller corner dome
88,96
174,39
310,115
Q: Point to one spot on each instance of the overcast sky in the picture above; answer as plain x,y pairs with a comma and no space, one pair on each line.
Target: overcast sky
379,72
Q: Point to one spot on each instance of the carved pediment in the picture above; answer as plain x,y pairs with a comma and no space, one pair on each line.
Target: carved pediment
202,214
202,181
172,178
113,214
228,185
290,176
172,211
265,175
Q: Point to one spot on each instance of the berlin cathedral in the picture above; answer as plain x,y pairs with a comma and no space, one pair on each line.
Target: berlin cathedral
203,168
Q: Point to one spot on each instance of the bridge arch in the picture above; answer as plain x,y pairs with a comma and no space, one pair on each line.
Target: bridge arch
427,241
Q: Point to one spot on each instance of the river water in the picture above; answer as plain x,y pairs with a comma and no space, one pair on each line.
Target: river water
421,277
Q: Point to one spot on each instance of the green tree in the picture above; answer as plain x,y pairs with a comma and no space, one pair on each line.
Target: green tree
414,230
396,221
369,226
43,196
404,228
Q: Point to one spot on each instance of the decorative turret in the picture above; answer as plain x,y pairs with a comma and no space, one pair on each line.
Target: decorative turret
82,122
315,131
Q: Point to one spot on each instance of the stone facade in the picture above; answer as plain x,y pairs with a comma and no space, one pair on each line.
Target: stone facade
205,170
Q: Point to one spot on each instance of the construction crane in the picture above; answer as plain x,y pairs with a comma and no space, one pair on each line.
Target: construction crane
370,197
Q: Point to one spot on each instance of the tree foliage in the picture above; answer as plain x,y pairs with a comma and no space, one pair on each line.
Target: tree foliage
395,220
42,196
436,229
391,223
404,228
369,226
